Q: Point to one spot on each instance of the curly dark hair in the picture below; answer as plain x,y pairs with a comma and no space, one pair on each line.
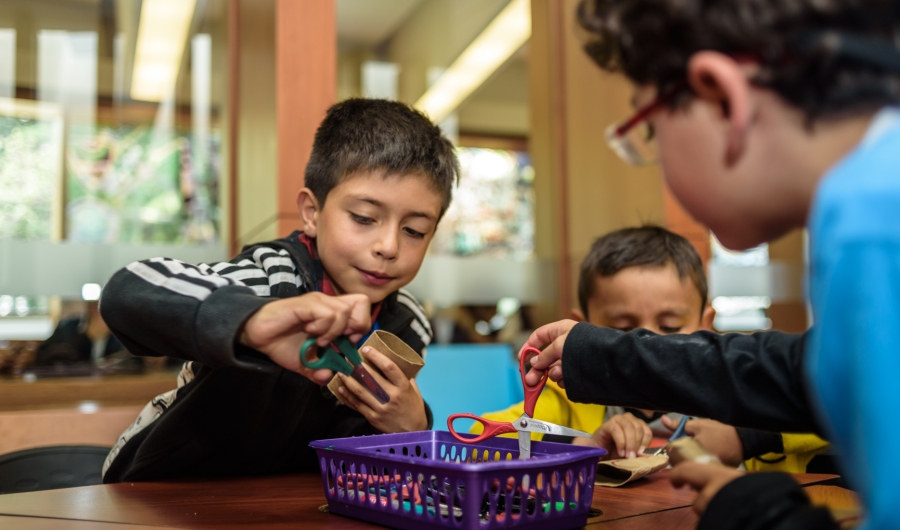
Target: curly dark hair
826,57
647,245
379,135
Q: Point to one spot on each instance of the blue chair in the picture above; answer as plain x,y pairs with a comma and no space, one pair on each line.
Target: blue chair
474,378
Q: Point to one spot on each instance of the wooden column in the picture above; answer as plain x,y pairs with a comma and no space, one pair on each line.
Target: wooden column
547,145
582,189
680,221
234,83
305,86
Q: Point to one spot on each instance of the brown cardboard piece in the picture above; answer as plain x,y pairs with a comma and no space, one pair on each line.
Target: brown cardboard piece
393,348
614,473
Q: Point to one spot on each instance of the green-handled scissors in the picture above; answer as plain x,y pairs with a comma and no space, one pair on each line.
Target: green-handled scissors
341,356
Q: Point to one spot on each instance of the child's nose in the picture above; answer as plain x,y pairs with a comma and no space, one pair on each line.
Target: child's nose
387,244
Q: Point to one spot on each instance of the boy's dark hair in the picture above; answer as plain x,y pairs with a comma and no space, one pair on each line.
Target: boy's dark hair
645,245
379,135
826,57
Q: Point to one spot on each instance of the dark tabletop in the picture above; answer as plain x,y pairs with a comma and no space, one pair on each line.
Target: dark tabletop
290,501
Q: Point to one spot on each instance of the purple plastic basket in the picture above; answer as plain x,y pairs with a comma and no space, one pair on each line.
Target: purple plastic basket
428,479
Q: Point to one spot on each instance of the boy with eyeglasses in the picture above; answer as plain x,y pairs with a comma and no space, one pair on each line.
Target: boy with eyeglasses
769,115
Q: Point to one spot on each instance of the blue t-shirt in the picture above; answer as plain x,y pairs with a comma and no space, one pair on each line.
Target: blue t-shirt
853,359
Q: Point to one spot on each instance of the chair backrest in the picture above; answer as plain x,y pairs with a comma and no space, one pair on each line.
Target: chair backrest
474,378
47,468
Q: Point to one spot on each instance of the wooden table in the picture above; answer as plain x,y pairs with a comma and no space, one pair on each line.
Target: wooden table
291,501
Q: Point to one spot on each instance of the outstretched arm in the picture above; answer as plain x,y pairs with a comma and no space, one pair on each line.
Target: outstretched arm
753,381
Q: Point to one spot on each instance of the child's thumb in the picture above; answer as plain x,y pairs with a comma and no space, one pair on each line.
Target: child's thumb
669,422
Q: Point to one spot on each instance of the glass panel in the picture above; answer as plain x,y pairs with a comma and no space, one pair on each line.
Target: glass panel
111,126
138,89
492,213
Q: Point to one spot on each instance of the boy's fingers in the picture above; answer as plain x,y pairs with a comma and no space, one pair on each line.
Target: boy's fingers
341,314
359,312
618,436
549,356
355,403
693,427
636,438
706,479
556,374
320,377
361,392
319,328
692,474
388,367
647,438
548,333
669,422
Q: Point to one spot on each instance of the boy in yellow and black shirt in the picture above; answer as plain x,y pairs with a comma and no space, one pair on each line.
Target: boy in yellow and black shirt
651,278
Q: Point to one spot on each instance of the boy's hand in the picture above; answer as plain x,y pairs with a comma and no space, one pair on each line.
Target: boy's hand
279,328
623,434
719,439
550,359
705,479
406,409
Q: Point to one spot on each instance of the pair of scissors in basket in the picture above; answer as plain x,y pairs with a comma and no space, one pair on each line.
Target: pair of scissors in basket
341,356
525,424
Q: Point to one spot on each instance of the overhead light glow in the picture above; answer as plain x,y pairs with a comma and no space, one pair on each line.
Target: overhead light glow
91,291
162,34
493,47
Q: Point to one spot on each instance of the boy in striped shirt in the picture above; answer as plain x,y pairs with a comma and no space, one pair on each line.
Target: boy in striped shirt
377,183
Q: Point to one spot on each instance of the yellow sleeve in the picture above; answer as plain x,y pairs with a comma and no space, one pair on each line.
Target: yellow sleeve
552,407
799,450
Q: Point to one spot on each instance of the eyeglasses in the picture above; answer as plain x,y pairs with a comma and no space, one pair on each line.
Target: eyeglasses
634,139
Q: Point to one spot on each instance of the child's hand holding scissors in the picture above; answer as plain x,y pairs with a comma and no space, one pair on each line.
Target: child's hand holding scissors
406,409
550,359
279,328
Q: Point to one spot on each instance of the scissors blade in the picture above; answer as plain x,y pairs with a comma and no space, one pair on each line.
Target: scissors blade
531,425
524,445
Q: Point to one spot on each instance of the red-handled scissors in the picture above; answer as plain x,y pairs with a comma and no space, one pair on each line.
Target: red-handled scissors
525,424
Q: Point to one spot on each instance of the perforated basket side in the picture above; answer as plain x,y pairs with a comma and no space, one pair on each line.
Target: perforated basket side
434,481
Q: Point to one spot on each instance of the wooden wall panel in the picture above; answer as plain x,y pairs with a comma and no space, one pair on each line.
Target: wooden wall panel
680,221
305,86
43,428
583,190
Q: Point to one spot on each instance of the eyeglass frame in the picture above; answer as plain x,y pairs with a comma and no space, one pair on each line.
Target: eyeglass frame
641,115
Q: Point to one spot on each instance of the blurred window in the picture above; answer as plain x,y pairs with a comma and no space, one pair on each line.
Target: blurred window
492,213
110,128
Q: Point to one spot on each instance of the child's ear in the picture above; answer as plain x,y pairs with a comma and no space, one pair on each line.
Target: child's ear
578,316
719,79
706,320
308,207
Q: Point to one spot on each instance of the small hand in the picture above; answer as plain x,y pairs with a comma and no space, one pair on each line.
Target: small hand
406,409
705,479
550,359
719,439
624,434
279,328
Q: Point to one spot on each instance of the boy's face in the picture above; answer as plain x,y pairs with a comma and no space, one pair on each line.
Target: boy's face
373,230
726,154
649,297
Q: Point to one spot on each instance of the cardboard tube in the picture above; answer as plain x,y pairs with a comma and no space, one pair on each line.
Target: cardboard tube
394,349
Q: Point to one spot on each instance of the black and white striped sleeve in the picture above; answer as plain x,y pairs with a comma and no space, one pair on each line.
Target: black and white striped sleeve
419,334
166,307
